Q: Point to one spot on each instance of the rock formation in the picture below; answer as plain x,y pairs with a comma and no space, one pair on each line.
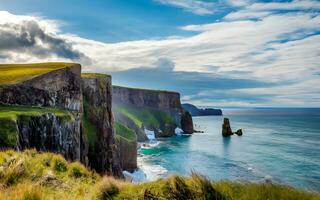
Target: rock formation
97,97
226,128
48,114
238,132
186,122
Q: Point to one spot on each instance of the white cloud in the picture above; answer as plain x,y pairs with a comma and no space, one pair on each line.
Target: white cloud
195,6
279,47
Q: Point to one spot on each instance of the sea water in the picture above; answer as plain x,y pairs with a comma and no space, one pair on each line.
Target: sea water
281,145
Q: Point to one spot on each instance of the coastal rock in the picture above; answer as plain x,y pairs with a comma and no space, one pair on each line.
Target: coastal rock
226,128
166,130
128,154
102,151
238,132
186,122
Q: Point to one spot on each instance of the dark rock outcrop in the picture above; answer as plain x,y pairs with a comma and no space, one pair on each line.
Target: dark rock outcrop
194,111
128,154
186,122
238,132
226,128
102,152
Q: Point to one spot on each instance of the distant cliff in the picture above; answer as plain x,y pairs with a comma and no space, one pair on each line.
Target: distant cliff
201,112
48,106
155,110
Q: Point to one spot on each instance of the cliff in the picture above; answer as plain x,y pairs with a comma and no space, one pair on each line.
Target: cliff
100,151
201,112
40,107
156,110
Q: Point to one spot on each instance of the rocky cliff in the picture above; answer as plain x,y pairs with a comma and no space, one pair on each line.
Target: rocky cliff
98,129
41,127
194,111
41,106
159,111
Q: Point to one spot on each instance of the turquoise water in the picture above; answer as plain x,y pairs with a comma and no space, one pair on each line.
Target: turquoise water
278,145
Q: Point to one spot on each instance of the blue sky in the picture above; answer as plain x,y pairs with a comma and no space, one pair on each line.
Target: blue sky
241,53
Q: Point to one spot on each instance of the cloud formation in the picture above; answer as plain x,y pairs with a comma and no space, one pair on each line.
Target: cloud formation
195,6
250,57
26,37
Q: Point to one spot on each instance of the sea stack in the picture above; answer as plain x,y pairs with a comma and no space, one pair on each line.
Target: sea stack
226,128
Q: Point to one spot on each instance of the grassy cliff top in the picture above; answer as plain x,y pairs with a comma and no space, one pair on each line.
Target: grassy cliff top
16,73
124,132
147,90
37,176
13,112
91,75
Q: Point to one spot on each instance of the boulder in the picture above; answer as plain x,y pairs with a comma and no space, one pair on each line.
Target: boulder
239,132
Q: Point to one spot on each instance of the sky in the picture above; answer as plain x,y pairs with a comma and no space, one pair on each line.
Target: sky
216,53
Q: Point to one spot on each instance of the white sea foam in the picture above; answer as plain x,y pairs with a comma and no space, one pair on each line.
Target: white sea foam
150,134
151,171
178,131
136,177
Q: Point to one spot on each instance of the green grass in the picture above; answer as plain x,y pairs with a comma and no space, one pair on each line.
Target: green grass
90,130
124,132
16,73
144,115
89,75
34,175
13,112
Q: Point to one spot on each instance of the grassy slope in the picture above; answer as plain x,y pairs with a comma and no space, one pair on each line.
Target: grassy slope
124,132
16,73
144,115
9,115
33,175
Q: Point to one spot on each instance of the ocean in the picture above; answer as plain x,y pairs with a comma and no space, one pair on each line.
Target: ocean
281,145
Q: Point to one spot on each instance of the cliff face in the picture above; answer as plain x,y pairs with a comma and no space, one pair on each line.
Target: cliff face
45,129
59,88
45,111
102,153
159,104
49,132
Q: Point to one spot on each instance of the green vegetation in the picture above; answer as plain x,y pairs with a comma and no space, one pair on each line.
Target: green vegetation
90,130
16,73
88,75
10,114
144,115
34,175
13,112
124,132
